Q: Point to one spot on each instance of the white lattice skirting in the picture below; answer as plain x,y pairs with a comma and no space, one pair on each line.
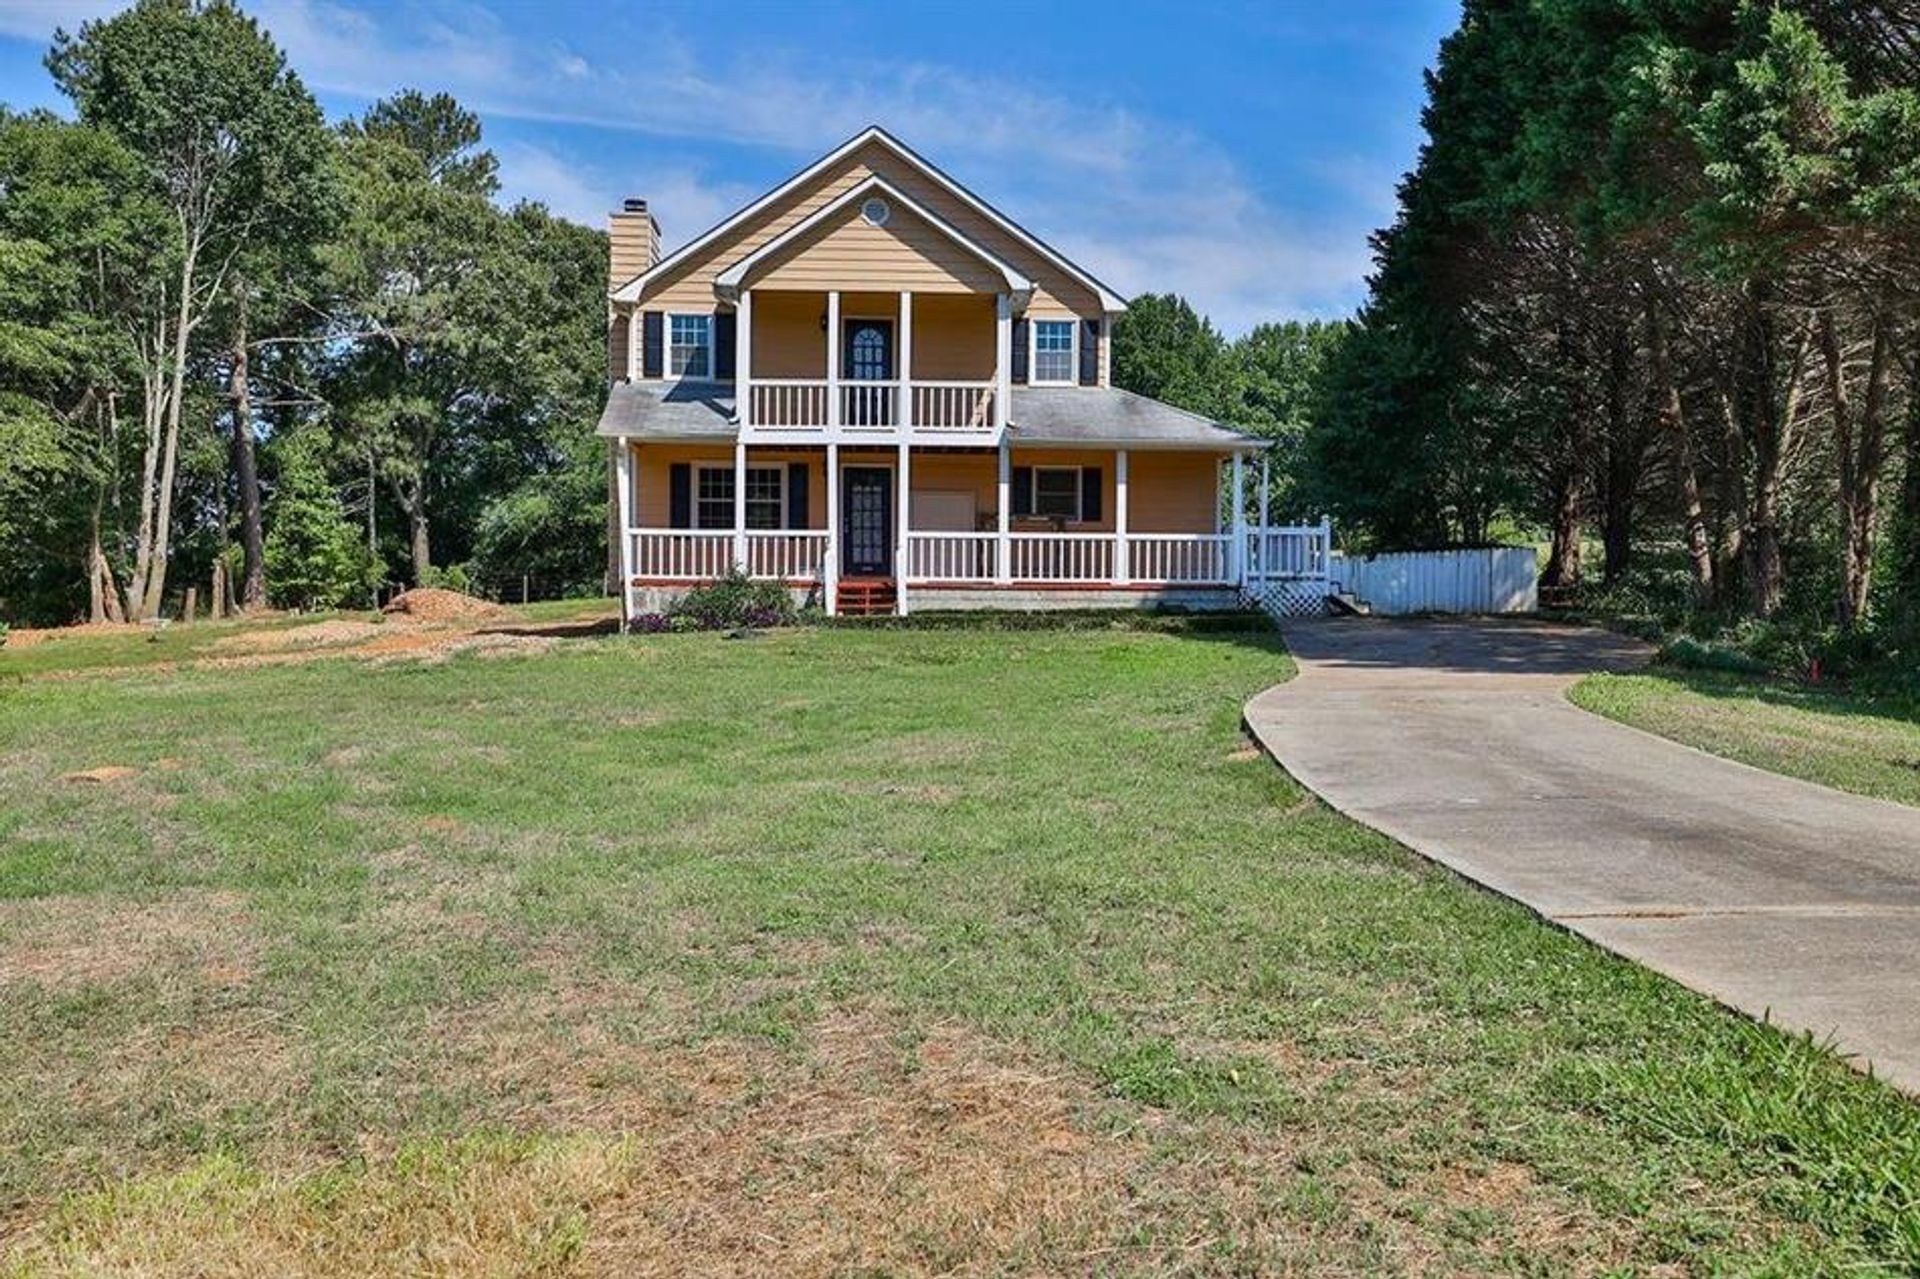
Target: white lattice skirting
1290,597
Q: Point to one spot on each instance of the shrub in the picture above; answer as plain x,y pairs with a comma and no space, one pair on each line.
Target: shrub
1698,655
454,577
649,623
551,529
733,601
315,556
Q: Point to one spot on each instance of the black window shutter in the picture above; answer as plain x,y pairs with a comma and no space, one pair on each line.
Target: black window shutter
1022,491
797,494
1020,351
723,343
680,495
1090,493
650,351
1089,353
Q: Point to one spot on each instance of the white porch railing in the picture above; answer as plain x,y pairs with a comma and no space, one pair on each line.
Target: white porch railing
686,555
871,405
1151,559
680,554
952,557
786,554
788,403
800,405
951,406
1180,558
1288,551
1061,557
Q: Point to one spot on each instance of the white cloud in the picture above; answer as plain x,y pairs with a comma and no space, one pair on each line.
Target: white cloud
1144,203
37,19
681,196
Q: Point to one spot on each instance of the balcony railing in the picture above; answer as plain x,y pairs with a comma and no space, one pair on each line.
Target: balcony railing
801,406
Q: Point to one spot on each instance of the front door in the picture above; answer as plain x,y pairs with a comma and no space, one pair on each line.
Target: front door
866,518
869,351
867,357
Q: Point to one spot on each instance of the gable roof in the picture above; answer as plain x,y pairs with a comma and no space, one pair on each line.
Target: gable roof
630,291
728,282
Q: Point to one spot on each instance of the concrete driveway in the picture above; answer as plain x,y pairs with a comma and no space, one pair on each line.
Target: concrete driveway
1776,896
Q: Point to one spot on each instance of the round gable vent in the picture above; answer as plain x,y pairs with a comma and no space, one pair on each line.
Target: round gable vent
875,211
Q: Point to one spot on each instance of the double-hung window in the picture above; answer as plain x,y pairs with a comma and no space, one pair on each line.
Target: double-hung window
1054,353
766,497
1056,492
690,346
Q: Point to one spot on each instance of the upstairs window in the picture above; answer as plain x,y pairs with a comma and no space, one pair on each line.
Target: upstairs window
1055,358
690,350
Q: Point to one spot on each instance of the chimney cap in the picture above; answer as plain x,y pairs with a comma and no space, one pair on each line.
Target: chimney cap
633,204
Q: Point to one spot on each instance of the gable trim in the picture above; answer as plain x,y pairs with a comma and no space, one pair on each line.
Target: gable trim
1110,301
727,283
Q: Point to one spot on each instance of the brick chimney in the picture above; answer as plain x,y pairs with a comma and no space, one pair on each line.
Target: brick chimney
633,242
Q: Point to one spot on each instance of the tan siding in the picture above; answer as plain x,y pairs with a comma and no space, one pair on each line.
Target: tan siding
617,345
690,285
1172,492
789,335
631,247
906,253
953,337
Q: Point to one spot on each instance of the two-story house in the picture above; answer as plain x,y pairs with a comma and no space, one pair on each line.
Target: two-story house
872,385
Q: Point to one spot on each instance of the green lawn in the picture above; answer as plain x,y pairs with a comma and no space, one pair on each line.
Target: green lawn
833,952
1824,735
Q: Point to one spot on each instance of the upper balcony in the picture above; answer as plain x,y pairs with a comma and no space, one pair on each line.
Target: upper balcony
823,364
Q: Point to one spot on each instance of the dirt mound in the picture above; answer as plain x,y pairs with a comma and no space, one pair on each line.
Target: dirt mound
316,635
432,604
27,636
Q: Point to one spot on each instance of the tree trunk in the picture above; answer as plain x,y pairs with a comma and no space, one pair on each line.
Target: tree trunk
1673,419
246,471
1860,447
1773,420
103,593
152,590
1909,521
1563,559
1733,499
417,542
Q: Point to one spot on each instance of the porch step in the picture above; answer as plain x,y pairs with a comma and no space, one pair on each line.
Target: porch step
867,597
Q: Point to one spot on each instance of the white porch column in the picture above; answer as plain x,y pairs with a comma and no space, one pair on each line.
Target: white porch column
743,361
903,506
633,345
740,505
1003,366
1237,496
1122,566
831,573
833,360
623,475
1003,545
1260,539
905,417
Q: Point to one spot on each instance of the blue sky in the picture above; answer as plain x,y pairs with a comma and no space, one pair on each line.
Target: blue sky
1238,154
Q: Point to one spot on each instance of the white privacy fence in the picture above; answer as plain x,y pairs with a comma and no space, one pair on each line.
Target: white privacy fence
1500,579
